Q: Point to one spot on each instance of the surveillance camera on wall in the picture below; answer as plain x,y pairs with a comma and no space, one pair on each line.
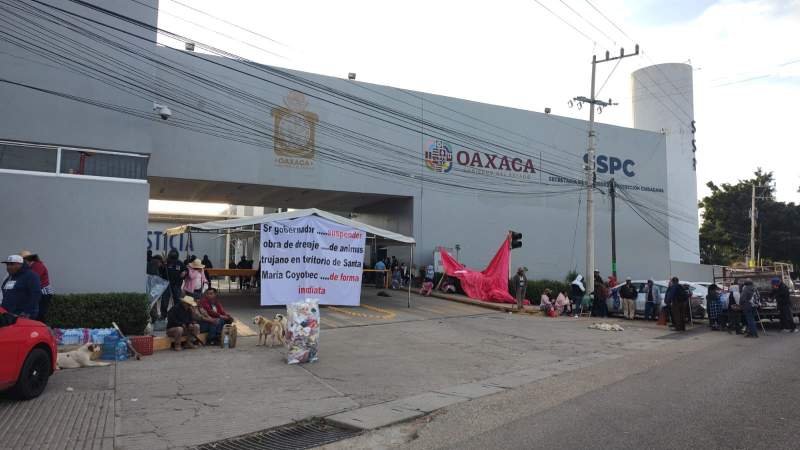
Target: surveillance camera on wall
162,110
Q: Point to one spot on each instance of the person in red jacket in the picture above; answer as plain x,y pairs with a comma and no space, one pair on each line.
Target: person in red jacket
37,266
212,307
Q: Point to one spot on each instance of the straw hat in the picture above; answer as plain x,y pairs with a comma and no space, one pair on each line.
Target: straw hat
196,264
26,253
189,301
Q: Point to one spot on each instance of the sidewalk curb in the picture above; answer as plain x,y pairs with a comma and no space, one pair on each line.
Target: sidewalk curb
504,307
402,410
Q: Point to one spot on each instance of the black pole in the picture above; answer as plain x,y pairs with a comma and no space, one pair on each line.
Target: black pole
612,193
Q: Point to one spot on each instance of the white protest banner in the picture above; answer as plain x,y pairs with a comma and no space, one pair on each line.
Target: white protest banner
311,257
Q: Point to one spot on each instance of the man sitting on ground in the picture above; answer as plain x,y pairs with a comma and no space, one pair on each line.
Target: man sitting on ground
212,316
180,322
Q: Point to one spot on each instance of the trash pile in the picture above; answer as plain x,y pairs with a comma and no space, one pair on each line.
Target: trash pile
603,326
302,335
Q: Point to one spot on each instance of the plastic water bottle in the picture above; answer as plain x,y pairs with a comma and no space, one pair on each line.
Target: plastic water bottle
226,342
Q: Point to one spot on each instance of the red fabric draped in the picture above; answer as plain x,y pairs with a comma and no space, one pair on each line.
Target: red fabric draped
491,284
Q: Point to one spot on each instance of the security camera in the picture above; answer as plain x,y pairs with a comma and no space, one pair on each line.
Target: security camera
162,110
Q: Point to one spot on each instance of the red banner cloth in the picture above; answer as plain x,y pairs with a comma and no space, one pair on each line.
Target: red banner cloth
491,284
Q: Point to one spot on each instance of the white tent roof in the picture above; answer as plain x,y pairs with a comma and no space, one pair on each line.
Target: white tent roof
219,225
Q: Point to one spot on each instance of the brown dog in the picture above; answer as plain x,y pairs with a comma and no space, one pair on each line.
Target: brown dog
272,330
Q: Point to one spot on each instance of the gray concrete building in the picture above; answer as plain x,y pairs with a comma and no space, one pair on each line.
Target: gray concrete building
82,150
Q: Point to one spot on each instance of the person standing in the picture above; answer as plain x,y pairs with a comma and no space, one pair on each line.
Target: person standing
576,292
600,296
520,283
628,294
748,303
780,292
173,271
714,307
22,289
380,268
652,301
38,267
207,263
735,309
680,301
195,280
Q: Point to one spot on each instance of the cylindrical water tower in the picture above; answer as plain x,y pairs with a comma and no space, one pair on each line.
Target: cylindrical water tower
663,102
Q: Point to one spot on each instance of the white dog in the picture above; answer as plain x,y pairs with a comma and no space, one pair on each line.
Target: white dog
81,357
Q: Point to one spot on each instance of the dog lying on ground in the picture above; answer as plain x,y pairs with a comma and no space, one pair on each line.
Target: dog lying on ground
272,330
82,357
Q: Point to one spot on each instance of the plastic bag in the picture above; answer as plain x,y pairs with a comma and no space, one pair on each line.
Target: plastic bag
72,336
302,334
98,335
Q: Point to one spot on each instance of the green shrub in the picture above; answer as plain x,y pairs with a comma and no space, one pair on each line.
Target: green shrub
128,310
537,287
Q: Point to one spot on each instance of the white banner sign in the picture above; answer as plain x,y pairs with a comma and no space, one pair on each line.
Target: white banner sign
311,257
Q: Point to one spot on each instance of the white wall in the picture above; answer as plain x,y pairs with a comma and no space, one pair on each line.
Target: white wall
86,231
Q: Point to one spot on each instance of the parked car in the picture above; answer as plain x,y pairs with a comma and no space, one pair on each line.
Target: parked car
697,298
661,288
28,355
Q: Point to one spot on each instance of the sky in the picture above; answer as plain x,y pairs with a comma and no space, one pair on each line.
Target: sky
522,54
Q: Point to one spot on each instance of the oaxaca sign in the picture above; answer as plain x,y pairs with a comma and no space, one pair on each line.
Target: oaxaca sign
311,257
443,157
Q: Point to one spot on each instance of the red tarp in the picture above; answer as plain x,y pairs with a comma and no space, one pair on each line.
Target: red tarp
491,284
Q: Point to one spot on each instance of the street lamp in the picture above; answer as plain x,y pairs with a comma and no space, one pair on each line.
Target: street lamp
458,249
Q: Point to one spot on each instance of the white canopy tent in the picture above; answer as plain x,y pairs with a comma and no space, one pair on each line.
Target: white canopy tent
251,224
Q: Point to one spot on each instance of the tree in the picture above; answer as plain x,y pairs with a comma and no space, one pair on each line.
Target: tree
725,232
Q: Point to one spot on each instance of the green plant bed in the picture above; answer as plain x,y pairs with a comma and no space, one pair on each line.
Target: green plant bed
128,310
537,287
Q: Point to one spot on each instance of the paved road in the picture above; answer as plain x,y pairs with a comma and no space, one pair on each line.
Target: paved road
737,394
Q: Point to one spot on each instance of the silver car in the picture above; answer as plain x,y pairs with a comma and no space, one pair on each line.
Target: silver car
639,285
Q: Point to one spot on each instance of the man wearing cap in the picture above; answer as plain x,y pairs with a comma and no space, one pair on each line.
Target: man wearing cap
21,289
628,294
180,322
780,292
520,283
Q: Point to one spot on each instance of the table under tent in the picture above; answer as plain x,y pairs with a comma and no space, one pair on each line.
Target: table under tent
249,228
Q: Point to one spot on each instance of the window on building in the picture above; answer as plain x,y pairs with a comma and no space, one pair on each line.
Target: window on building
21,157
79,162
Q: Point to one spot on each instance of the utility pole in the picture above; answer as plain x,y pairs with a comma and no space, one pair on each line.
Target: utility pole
591,167
612,191
751,262
752,258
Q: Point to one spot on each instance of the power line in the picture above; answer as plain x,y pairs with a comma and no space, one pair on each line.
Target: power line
588,21
565,21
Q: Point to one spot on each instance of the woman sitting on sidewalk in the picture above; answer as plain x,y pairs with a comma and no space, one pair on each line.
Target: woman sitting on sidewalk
563,305
546,305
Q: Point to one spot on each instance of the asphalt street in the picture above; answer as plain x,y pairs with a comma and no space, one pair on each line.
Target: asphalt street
738,393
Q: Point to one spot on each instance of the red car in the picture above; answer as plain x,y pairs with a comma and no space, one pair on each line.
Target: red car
27,355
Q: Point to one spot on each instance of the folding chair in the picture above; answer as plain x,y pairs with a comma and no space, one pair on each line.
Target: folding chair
586,306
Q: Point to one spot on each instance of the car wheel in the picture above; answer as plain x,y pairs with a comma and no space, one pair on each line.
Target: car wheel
34,375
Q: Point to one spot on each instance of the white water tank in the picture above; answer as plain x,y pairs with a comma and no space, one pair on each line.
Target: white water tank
663,101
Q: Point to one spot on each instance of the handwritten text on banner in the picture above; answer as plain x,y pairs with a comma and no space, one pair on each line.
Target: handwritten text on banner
311,257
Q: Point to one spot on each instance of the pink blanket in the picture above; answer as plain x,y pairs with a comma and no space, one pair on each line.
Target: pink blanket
490,284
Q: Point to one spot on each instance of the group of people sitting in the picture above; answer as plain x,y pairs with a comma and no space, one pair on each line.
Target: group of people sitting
189,317
400,275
